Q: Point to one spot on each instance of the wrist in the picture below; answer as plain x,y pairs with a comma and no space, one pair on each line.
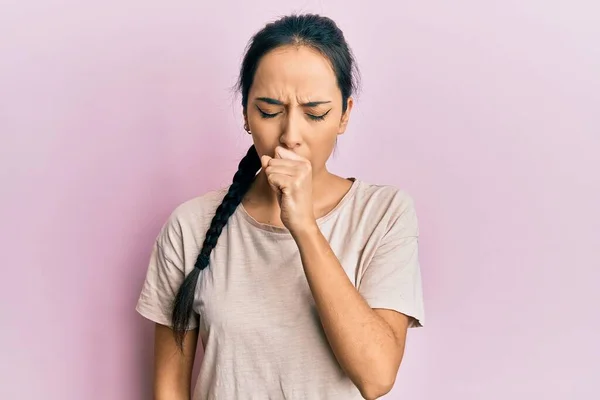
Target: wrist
305,230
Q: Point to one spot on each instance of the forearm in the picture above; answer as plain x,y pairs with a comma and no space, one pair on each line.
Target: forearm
362,341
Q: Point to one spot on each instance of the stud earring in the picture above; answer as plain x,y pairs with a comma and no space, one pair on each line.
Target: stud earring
247,129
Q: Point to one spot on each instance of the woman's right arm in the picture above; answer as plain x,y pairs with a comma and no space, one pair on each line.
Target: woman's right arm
172,368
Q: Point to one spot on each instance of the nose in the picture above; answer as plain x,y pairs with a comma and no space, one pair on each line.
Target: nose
291,133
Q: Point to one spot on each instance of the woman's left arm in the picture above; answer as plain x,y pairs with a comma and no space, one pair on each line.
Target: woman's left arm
368,343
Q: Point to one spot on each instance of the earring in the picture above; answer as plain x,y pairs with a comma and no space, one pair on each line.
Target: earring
247,129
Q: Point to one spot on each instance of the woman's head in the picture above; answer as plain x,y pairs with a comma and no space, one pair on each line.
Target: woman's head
296,81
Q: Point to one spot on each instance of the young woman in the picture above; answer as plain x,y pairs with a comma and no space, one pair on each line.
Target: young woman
301,284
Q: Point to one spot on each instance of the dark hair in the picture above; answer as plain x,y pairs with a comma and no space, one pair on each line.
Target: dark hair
317,32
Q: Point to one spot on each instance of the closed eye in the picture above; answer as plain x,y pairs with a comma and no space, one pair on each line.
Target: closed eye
318,117
265,114
311,116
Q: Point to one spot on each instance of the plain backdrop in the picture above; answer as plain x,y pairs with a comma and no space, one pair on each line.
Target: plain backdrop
486,112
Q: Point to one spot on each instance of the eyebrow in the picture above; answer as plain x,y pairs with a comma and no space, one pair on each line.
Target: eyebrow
276,102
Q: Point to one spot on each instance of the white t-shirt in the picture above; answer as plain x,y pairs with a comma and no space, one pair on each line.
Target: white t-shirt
258,323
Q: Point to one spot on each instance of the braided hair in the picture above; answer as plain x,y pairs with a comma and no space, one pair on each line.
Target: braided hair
184,300
317,32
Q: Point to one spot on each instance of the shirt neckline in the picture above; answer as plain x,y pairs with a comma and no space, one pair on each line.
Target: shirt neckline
284,231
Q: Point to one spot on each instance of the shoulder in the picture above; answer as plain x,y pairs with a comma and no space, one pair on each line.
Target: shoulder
199,206
389,198
389,204
194,215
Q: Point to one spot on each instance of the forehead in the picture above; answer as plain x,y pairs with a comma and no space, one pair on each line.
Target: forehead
294,71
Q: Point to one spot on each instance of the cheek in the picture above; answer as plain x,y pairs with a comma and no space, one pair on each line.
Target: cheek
264,130
328,129
321,140
265,135
322,132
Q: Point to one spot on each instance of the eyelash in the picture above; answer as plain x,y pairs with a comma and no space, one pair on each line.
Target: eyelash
313,117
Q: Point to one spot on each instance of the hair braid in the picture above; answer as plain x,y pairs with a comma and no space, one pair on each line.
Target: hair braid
184,300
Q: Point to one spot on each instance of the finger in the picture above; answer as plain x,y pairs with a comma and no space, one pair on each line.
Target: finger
290,170
264,161
283,161
279,182
281,152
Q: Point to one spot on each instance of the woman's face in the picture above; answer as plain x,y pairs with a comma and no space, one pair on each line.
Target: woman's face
295,102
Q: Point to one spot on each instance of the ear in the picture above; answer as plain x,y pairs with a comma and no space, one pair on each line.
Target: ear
245,116
346,116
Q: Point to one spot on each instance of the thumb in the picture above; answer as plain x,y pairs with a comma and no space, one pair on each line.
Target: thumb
264,161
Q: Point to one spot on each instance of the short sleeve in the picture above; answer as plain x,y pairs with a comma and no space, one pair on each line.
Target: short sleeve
164,276
392,278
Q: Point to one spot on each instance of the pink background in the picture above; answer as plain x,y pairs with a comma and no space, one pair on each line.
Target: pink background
487,112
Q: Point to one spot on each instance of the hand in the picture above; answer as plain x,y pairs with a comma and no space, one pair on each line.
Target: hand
290,176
